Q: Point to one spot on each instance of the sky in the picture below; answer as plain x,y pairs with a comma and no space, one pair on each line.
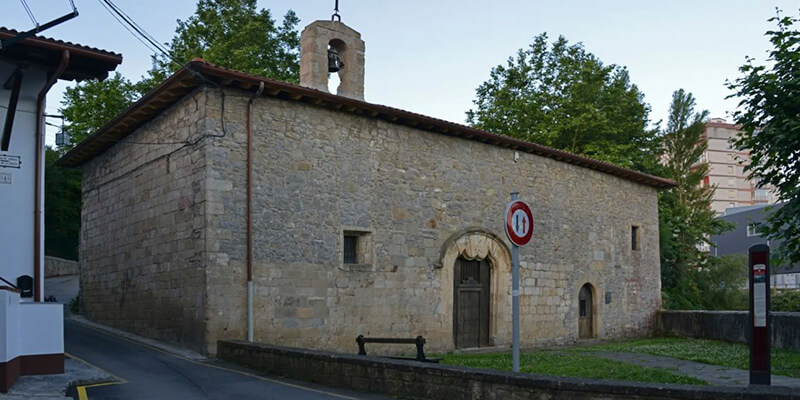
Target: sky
430,56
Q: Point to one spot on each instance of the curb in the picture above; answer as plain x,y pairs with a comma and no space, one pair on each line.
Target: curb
151,343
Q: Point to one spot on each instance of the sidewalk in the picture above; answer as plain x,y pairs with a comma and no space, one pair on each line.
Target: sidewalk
54,387
713,374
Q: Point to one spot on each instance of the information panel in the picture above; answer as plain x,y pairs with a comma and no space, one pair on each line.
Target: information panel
759,295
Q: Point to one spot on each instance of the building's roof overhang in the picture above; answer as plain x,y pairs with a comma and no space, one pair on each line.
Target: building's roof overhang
198,73
46,53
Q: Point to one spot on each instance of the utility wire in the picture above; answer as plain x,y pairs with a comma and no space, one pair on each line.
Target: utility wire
154,46
141,33
30,13
125,25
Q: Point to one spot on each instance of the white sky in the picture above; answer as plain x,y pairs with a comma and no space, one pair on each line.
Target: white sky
430,56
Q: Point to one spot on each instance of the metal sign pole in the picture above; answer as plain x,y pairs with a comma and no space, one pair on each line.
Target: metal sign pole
759,315
515,299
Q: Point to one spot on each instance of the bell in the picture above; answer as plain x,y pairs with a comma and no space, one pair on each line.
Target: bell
334,62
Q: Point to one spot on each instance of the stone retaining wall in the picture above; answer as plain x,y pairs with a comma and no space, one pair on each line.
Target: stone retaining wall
732,326
54,266
409,379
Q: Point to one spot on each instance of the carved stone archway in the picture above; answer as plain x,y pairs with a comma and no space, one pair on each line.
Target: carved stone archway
477,244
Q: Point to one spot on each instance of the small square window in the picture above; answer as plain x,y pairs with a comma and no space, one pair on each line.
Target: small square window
350,249
730,170
356,247
731,205
732,194
731,182
752,230
635,238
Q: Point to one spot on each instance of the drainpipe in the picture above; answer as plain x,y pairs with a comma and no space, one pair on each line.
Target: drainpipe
250,211
38,198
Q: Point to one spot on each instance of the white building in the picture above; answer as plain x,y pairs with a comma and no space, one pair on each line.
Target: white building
726,170
31,332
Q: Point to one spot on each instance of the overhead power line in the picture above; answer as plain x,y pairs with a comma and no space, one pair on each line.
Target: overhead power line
153,45
137,30
30,13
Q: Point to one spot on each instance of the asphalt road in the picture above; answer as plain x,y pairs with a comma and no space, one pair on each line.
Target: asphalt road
148,373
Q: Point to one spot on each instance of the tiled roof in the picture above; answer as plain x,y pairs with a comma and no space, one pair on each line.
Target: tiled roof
46,53
6,33
199,72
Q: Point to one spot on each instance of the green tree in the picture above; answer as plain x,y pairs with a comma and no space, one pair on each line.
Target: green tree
234,34
62,192
769,117
564,97
231,33
685,215
721,283
89,105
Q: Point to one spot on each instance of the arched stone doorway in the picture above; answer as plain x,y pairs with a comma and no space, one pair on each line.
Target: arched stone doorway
586,314
493,259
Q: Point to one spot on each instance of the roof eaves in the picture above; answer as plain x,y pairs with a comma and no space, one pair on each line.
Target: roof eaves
136,115
84,151
42,41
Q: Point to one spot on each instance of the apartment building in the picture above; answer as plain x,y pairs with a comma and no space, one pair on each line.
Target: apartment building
726,170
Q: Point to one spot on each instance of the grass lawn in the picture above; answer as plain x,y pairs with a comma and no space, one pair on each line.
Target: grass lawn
735,355
573,364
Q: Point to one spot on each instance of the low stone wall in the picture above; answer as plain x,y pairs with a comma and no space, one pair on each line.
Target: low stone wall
54,266
409,379
732,326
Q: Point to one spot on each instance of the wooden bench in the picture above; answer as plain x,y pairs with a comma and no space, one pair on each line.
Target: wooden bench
419,341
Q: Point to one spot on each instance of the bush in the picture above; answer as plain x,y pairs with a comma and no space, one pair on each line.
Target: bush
719,285
74,304
785,300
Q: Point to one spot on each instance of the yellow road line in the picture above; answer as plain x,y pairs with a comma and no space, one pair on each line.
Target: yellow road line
119,380
82,393
207,365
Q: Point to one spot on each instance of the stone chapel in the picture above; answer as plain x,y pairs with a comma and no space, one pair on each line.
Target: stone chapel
223,205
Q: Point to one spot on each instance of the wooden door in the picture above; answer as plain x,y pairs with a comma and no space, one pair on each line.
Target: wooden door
585,313
471,303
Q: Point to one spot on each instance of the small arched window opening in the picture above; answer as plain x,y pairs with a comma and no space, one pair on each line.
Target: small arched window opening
336,66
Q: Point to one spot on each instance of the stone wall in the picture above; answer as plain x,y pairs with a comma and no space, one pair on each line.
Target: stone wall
732,326
164,231
54,266
411,193
142,228
414,380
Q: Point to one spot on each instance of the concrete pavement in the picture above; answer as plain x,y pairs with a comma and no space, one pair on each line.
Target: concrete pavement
64,288
146,372
713,374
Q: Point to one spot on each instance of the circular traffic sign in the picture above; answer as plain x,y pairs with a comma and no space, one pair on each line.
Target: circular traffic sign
519,222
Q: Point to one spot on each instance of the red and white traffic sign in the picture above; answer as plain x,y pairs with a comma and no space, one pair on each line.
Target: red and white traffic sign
519,222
